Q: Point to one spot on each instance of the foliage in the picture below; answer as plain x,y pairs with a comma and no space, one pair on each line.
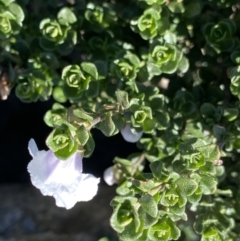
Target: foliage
169,69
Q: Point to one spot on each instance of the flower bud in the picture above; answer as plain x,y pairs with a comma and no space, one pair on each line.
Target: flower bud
109,176
129,136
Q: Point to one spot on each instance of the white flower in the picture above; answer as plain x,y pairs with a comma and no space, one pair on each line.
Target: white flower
109,177
129,136
63,180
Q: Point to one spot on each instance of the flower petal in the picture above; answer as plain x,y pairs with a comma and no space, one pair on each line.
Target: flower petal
87,188
32,148
49,174
129,136
36,170
61,179
65,199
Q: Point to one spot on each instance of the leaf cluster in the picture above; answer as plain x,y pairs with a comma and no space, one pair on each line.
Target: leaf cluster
167,69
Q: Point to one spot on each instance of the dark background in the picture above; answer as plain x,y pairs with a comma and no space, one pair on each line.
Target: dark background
19,122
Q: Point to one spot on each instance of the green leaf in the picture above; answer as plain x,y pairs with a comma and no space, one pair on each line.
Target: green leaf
210,152
212,233
188,108
188,147
170,67
196,196
46,45
177,210
170,37
119,122
207,110
107,125
176,7
122,98
235,57
82,134
102,69
207,184
149,205
147,220
179,166
209,168
89,147
198,225
114,220
17,11
153,69
160,230
192,9
58,95
218,131
7,2
65,153
186,185
144,186
130,233
163,120
149,125
182,200
175,231
66,47
67,14
157,102
133,59
220,170
81,114
231,114
93,89
224,220
8,15
122,161
124,189
183,65
156,168
90,69
120,199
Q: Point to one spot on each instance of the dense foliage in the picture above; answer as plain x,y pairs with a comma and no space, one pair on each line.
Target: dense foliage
170,69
